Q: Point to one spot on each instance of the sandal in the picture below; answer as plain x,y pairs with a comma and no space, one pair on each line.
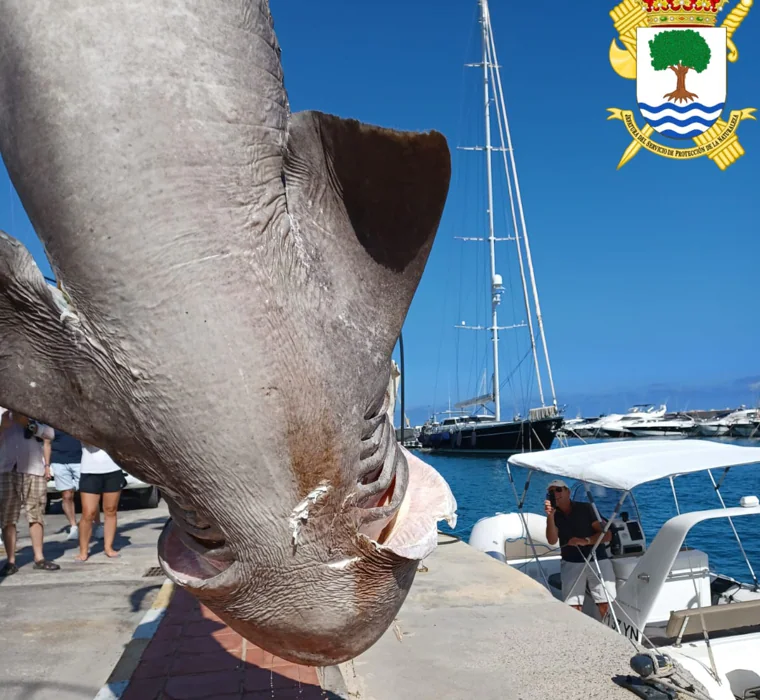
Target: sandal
45,565
8,570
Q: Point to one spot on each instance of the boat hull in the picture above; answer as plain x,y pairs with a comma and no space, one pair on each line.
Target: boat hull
495,438
745,430
580,431
613,433
713,430
654,432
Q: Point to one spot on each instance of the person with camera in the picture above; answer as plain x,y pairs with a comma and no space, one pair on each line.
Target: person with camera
575,525
25,447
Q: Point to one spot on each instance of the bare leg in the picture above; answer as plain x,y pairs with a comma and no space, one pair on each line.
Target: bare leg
68,507
110,506
90,506
9,542
37,533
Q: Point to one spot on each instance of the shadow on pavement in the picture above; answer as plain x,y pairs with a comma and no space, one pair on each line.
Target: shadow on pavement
137,597
41,690
158,521
55,550
137,524
119,543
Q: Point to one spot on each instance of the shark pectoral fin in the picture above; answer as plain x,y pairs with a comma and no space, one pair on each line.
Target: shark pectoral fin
370,198
46,372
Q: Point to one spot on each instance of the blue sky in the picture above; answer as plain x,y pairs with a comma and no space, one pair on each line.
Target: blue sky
647,276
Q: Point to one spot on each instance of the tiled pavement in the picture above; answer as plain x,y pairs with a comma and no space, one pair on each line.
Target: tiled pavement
195,656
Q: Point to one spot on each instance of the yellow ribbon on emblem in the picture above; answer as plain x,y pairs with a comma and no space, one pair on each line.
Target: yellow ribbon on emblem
719,143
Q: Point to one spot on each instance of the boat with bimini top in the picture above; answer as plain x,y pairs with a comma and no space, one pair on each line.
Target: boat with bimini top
669,599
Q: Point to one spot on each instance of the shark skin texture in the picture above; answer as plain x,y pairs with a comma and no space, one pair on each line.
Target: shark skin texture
232,279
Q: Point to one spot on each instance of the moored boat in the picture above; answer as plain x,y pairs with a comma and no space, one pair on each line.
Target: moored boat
616,426
721,426
675,425
669,598
748,427
483,434
485,431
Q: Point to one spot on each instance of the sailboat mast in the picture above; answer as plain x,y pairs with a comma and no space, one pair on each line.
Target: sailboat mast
495,283
501,116
531,271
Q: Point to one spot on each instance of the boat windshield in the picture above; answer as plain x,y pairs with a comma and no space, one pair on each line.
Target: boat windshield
606,500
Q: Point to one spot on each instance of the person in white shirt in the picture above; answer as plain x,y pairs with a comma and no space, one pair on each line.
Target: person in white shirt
25,447
99,476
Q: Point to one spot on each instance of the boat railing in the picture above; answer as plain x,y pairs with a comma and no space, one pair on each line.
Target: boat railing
543,412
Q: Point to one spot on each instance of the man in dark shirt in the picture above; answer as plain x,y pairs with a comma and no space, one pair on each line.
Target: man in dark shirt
575,525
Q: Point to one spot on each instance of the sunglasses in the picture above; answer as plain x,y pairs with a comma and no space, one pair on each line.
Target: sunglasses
556,489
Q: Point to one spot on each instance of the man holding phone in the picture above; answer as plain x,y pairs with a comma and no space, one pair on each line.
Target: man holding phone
575,525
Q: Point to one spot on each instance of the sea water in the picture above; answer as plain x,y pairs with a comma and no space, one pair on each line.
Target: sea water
482,488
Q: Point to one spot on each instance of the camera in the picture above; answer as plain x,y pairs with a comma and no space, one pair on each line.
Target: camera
31,431
552,499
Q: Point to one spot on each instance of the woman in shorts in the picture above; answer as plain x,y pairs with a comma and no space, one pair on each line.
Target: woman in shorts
99,477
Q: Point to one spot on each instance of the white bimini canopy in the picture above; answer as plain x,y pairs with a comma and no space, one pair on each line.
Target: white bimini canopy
625,465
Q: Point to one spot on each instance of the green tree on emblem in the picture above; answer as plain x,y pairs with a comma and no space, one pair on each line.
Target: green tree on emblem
681,50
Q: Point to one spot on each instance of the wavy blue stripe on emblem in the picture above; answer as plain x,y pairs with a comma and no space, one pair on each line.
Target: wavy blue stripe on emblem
682,109
682,122
675,135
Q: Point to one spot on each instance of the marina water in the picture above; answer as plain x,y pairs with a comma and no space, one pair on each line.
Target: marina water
482,488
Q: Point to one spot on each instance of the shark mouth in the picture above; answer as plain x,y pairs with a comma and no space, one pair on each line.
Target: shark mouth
188,561
193,556
400,498
190,551
412,532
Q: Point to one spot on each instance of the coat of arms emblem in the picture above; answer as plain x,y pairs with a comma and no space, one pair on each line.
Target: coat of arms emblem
679,58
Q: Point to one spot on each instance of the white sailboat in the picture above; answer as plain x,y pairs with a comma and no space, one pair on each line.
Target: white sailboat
487,432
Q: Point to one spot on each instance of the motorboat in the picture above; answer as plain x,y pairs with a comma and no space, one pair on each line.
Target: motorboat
578,427
747,427
669,600
616,426
720,427
673,425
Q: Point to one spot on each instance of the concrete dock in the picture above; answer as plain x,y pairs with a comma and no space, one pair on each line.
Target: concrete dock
470,627
473,627
63,632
